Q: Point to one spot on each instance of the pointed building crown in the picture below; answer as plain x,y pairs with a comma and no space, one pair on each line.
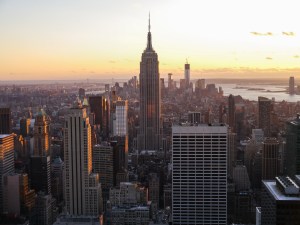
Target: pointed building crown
149,40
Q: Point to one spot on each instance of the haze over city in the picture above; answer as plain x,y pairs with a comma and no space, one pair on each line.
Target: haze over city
63,40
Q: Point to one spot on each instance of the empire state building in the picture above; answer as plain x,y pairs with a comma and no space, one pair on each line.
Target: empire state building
149,118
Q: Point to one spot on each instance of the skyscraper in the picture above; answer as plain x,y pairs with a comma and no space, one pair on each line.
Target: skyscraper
292,85
187,74
5,126
120,124
24,127
82,187
41,134
40,174
231,112
149,135
280,202
99,105
199,175
6,162
291,165
270,159
264,115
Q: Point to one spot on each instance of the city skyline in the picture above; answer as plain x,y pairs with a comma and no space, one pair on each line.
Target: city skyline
95,40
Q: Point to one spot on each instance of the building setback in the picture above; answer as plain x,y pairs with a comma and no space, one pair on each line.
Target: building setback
150,100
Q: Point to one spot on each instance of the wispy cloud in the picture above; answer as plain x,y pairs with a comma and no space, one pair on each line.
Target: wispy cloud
296,56
288,33
112,61
269,58
262,34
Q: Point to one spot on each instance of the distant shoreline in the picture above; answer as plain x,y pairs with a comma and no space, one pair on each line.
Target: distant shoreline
272,81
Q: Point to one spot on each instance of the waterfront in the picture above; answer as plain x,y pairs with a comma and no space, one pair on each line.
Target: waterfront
252,91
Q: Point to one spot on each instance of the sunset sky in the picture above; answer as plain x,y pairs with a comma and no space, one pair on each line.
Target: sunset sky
94,39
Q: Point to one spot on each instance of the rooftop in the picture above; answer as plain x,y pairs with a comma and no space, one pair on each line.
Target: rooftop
276,193
4,135
203,128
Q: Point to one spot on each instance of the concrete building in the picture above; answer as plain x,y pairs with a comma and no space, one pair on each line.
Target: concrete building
231,112
149,136
99,106
6,162
135,215
199,175
258,135
292,85
154,190
128,194
24,127
44,209
57,179
264,115
187,74
12,198
231,152
5,121
41,134
82,187
78,220
40,174
291,165
120,124
241,178
270,159
280,202
194,117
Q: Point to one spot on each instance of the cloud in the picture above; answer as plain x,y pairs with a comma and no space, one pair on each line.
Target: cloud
288,33
296,56
262,34
269,58
112,61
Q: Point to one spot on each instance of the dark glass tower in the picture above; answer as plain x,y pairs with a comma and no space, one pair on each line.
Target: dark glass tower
149,135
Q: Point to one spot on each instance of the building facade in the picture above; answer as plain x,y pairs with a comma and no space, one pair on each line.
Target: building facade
270,159
6,162
150,99
199,191
291,165
82,187
41,134
5,121
280,202
264,115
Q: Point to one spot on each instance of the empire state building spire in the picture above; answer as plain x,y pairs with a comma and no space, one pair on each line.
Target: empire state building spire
149,136
149,41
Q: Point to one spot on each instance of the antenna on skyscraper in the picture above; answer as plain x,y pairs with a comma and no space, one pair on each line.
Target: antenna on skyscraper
149,26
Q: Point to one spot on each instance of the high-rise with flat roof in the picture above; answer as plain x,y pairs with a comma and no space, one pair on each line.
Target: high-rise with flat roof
82,187
199,190
270,158
291,165
231,112
280,202
6,162
150,99
120,122
99,106
292,85
5,123
264,115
